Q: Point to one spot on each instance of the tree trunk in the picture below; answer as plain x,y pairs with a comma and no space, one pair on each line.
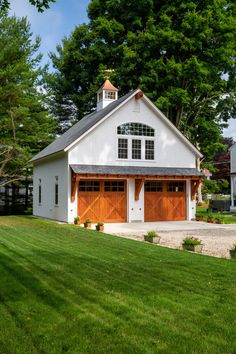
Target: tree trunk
199,193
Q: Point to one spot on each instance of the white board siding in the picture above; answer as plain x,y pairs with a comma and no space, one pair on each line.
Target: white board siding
135,208
46,171
99,147
72,206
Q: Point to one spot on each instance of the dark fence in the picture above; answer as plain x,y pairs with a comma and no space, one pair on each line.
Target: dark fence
16,198
219,205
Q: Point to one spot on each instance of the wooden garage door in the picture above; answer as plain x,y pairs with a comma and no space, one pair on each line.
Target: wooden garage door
165,201
103,201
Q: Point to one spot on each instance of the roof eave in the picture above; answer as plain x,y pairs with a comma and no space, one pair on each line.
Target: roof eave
49,156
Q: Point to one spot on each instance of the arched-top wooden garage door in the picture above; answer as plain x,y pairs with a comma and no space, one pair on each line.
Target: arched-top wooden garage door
164,201
103,201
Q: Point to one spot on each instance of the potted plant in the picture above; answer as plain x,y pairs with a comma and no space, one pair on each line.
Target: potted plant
199,216
87,223
210,218
76,220
193,244
152,237
219,219
233,252
100,226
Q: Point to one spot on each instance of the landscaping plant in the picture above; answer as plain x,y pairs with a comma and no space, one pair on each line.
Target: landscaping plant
210,218
87,223
193,244
100,226
199,216
190,240
219,219
233,252
152,237
76,220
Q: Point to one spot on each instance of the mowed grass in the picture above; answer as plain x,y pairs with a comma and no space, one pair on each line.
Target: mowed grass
64,289
228,217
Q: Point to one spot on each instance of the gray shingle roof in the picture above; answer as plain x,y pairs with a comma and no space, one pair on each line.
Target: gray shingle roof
135,170
79,129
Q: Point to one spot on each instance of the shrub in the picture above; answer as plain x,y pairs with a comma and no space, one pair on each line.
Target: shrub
76,219
100,224
190,240
28,211
199,214
87,221
220,218
233,247
152,234
210,216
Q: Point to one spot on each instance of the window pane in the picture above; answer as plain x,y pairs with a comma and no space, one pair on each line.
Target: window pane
56,193
154,186
114,186
176,186
149,150
40,194
100,96
111,95
122,148
136,149
89,186
135,129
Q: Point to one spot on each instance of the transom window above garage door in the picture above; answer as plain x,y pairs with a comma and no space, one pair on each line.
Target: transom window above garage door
175,186
114,186
153,186
136,142
89,186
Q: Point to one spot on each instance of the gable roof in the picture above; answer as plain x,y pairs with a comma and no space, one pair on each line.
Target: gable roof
71,136
78,129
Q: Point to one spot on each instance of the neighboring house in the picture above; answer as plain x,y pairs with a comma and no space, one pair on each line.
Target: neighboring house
233,176
124,162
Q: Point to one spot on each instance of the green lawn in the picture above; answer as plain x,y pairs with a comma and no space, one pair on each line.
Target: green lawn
228,217
64,289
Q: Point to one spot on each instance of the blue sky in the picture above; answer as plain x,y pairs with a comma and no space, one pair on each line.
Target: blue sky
59,21
53,24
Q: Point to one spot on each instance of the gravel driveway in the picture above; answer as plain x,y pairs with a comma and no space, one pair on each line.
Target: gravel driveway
217,239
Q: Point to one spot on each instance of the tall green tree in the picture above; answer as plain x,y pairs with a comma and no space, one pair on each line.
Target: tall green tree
181,53
25,124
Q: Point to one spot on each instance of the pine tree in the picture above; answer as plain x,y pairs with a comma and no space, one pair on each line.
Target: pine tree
25,124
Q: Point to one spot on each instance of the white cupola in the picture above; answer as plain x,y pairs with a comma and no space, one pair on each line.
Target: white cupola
106,94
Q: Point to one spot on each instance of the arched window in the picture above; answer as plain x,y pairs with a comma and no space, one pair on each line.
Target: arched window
135,129
136,141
